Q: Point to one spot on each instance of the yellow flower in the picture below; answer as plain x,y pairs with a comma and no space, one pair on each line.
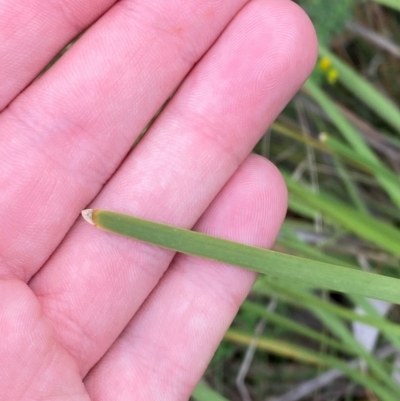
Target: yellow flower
332,76
325,63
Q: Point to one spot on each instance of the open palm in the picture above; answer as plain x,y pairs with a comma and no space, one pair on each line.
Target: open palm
88,315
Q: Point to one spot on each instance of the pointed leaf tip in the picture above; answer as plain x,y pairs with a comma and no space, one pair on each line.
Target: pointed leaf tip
87,215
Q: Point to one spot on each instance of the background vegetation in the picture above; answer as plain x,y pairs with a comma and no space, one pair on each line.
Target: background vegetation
338,146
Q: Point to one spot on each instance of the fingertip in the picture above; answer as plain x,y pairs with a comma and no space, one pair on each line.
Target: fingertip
305,41
252,205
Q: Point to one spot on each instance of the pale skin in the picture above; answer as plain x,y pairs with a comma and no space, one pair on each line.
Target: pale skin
87,315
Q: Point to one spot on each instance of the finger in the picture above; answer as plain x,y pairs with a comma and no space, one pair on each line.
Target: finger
63,138
32,33
165,349
33,366
93,285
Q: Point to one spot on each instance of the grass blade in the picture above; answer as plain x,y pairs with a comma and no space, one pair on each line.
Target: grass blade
205,393
352,136
286,323
274,264
289,350
367,227
300,297
389,180
395,4
361,88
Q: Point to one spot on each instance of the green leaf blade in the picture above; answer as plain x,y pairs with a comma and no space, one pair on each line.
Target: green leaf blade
274,264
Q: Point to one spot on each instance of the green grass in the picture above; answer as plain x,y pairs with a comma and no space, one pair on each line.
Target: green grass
351,218
313,273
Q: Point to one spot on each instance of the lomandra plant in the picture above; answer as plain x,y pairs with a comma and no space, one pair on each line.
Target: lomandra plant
273,264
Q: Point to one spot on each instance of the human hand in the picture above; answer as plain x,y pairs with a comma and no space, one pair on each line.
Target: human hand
88,315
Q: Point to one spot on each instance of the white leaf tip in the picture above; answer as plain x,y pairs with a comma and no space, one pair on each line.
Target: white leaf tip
87,215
